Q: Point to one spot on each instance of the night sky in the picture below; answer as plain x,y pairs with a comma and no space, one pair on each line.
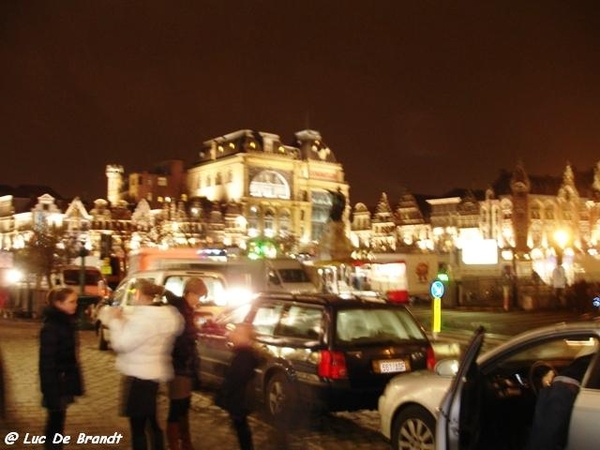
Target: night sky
424,95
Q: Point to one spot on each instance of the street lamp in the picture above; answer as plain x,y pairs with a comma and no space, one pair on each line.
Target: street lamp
561,237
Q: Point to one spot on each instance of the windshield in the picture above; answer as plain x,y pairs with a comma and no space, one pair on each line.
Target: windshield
71,277
383,325
293,276
214,285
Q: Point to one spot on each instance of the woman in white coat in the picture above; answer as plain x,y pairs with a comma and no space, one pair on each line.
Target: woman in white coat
143,340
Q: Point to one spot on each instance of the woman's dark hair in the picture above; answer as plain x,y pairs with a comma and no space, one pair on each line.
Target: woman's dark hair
58,295
148,288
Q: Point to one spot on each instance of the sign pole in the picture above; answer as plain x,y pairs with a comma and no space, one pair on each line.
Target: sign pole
437,290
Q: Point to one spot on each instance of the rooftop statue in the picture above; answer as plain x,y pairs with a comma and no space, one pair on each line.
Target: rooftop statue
338,205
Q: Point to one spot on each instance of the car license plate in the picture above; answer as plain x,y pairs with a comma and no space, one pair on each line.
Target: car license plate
391,366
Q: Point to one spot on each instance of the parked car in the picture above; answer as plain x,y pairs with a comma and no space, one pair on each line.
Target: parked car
409,405
94,283
174,280
494,394
319,350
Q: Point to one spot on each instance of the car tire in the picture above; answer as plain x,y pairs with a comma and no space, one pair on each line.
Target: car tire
278,397
102,342
413,428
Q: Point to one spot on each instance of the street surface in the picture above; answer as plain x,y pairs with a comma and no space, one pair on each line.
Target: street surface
95,414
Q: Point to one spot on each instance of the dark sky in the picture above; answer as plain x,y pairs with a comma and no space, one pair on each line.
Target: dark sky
427,95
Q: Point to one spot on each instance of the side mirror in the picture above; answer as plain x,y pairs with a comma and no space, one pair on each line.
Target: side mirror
447,367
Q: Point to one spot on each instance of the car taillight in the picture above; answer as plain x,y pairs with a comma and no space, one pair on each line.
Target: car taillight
430,358
332,365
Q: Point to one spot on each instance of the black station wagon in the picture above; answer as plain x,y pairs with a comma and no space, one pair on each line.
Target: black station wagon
318,350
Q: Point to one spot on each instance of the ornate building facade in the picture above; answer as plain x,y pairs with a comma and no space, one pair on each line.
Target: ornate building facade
245,184
276,189
542,220
249,184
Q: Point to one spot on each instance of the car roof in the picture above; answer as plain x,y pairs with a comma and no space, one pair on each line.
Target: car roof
330,300
171,271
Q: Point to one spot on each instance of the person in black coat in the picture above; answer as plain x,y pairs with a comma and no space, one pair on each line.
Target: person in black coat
60,374
234,395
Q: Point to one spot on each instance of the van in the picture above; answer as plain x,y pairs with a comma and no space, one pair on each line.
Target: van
242,273
274,275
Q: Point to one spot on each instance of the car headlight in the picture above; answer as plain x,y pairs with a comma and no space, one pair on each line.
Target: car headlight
237,296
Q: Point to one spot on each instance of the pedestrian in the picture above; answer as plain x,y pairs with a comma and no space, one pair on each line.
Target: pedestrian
235,395
143,340
185,364
4,297
59,370
559,283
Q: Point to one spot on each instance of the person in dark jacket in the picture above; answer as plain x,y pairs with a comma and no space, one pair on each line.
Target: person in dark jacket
234,395
60,374
185,363
550,428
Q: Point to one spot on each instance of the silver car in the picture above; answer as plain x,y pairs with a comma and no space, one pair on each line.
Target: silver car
509,377
491,401
409,406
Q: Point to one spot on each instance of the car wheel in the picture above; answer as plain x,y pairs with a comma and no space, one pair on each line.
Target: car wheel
278,396
413,428
102,342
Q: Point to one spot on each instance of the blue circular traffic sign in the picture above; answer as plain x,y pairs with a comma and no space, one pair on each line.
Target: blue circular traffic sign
437,289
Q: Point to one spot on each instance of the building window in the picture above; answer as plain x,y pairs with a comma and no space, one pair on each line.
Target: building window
321,206
284,222
269,184
208,183
230,176
218,179
269,220
162,181
253,217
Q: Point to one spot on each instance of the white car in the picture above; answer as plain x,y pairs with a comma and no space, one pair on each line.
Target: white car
409,405
494,394
172,279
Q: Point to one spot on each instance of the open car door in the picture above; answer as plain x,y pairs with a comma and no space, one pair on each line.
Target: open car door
457,425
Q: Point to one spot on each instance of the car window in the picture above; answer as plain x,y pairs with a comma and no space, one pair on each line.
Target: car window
356,326
266,318
301,322
214,286
557,351
119,294
129,293
175,284
293,276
